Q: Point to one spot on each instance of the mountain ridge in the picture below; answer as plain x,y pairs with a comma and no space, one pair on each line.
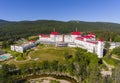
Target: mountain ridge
18,29
74,21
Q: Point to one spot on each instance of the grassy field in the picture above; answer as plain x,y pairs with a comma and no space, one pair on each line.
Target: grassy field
51,53
45,52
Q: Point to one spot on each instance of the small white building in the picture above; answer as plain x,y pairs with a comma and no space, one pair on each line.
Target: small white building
23,47
114,44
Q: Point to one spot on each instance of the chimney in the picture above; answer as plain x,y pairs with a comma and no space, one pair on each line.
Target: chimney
63,38
76,29
54,29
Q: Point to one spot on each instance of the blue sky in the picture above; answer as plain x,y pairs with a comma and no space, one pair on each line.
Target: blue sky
64,10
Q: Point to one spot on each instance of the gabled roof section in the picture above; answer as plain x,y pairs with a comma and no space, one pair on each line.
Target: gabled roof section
80,38
32,41
88,37
54,33
91,34
76,33
101,40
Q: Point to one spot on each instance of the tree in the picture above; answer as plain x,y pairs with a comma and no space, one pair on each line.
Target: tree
116,74
45,65
54,65
5,74
4,44
70,68
94,74
107,45
116,51
67,56
117,38
62,68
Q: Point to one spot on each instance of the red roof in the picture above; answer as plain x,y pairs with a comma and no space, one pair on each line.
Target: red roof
93,42
46,36
80,38
32,41
76,33
91,34
100,40
54,33
87,36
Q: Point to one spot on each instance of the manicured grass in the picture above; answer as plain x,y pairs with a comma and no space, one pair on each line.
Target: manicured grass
42,53
45,52
110,61
51,53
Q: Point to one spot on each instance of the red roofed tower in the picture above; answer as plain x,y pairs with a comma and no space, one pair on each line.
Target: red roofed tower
53,35
100,40
75,34
32,41
54,32
91,34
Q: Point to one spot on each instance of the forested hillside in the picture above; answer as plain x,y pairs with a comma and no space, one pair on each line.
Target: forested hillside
15,30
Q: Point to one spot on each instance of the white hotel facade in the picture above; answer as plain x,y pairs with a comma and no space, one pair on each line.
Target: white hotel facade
76,39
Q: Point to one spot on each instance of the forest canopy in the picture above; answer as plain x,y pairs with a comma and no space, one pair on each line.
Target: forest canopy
15,30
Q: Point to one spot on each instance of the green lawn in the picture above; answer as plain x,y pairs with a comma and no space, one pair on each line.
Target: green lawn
51,53
45,52
110,61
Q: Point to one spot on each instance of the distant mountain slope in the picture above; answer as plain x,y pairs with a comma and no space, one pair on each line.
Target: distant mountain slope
3,22
27,28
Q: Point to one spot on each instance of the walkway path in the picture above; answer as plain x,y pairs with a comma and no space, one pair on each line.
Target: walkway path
115,57
15,59
109,71
47,80
108,65
28,58
9,61
105,73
